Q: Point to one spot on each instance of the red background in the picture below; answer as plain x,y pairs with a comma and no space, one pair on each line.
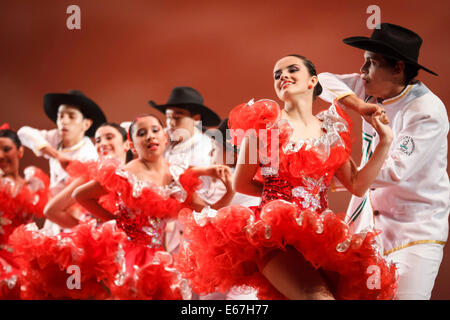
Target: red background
128,52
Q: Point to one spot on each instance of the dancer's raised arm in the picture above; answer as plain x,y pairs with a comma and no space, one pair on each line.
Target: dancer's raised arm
358,181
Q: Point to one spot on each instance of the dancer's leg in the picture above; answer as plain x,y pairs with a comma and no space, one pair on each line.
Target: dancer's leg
294,277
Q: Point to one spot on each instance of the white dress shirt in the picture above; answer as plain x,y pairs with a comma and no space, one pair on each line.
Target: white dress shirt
410,197
196,151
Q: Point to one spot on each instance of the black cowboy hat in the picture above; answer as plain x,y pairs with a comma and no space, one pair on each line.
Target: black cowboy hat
392,41
75,98
191,100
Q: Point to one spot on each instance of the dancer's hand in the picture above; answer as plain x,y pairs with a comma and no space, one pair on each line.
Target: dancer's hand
368,109
221,172
63,160
365,109
224,174
383,130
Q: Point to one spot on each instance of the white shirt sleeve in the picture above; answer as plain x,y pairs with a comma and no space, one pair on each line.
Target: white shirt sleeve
420,139
338,86
35,139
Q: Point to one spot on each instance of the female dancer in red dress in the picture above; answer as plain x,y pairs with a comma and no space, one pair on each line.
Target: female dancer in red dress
21,201
142,196
47,262
111,143
291,244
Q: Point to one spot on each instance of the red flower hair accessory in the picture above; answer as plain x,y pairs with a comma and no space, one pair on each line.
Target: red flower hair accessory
5,126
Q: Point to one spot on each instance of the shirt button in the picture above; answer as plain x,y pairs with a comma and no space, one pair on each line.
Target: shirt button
376,212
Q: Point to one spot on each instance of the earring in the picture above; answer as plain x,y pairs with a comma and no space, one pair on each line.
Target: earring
310,86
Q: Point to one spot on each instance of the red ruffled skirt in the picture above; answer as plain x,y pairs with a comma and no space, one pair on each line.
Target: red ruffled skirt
9,276
148,274
74,265
93,262
224,250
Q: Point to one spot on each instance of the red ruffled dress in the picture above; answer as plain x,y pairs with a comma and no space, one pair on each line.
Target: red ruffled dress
80,264
224,248
119,259
87,170
18,206
142,209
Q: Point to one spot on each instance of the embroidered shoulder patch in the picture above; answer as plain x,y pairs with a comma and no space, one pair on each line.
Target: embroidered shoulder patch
406,145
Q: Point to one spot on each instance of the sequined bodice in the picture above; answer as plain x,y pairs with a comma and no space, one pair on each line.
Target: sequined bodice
143,216
305,192
304,168
139,228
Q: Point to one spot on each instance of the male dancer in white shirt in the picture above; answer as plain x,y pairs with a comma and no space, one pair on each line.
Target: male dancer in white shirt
185,117
409,201
77,117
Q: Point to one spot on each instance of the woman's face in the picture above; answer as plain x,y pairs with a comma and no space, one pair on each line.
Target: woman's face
109,143
149,138
10,156
291,78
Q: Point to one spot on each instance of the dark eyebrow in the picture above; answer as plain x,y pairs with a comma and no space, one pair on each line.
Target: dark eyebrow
68,112
292,65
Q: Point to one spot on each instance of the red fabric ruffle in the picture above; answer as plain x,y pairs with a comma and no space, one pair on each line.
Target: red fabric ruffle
226,251
9,277
149,202
48,262
252,117
156,279
86,170
19,206
266,114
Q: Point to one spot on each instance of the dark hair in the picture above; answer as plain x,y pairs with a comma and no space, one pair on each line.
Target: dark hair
7,133
312,72
410,72
130,129
119,128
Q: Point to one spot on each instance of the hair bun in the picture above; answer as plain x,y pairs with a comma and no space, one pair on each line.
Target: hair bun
318,89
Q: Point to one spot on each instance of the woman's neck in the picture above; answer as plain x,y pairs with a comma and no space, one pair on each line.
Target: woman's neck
154,165
15,177
123,159
69,143
299,110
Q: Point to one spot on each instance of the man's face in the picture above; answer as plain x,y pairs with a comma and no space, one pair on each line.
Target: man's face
377,75
180,124
71,123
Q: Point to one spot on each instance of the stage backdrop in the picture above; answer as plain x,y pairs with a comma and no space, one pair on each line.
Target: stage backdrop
128,52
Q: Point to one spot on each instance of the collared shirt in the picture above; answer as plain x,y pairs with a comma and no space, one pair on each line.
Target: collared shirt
196,151
411,194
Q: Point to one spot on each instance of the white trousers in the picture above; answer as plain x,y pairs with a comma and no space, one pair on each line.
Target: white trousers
417,268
